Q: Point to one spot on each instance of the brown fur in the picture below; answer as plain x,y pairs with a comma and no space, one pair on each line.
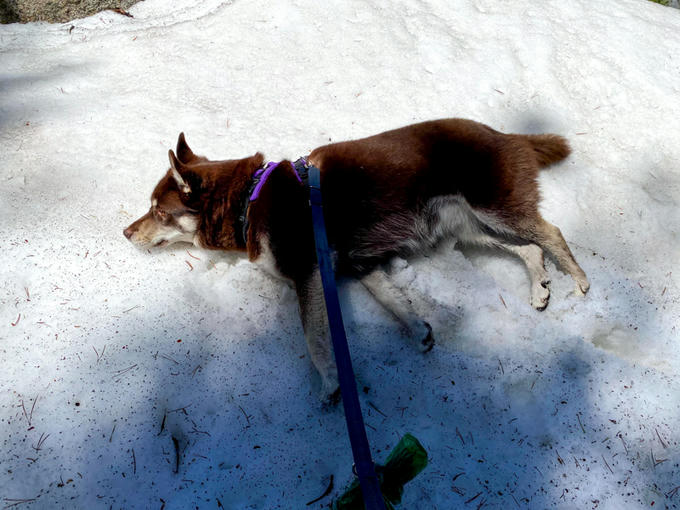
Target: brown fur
394,193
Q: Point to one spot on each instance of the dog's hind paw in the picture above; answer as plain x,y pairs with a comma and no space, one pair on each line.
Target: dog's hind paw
582,286
540,295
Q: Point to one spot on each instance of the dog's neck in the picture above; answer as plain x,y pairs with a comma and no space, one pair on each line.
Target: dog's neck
252,191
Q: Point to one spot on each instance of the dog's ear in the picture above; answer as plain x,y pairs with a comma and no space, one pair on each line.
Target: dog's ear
184,153
177,168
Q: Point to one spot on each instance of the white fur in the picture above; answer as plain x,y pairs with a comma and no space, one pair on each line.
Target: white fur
188,223
454,217
266,260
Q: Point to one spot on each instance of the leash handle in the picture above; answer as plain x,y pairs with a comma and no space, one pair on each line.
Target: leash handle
365,468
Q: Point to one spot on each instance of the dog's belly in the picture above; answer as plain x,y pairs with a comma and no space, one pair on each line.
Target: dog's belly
451,216
407,233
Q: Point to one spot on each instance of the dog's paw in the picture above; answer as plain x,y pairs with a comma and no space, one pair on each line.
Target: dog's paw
427,343
540,295
330,400
582,287
330,391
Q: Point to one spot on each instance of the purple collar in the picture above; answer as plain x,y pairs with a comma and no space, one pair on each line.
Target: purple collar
261,176
258,180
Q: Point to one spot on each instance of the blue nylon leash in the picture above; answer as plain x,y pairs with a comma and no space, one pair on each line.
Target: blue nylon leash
365,469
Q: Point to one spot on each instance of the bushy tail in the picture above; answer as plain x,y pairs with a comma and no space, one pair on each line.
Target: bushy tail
549,149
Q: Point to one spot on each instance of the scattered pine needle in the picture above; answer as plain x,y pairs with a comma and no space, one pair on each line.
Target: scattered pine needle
163,424
192,256
175,442
473,498
124,371
169,359
244,414
325,493
16,502
17,321
29,417
503,301
670,494
660,440
189,264
372,405
624,443
41,442
460,437
655,461
579,422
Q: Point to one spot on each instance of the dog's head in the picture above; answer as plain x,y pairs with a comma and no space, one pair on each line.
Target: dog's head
178,202
173,215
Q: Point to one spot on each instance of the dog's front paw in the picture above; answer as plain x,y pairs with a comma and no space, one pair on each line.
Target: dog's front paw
330,392
331,400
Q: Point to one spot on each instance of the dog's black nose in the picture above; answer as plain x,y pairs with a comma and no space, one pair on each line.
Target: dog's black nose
128,232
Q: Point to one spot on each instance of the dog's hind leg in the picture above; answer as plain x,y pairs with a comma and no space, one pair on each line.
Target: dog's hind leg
532,256
379,284
317,334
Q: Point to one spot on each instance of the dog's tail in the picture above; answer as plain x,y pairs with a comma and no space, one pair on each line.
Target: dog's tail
548,149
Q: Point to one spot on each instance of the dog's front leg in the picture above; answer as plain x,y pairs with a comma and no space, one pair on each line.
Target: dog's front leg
317,334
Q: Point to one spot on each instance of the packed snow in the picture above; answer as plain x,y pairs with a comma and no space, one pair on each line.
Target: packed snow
180,379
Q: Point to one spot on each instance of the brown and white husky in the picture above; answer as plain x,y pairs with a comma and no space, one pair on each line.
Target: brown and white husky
395,193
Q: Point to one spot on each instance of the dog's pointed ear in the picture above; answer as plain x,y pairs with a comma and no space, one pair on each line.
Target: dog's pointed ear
177,168
184,153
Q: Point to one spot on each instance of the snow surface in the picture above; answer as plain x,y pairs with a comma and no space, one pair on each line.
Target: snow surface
109,353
